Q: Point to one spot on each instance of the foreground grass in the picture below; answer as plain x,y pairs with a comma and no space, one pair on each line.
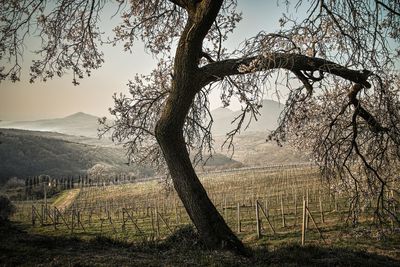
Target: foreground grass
183,248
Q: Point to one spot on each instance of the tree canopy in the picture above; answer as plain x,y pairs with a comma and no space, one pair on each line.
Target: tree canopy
338,61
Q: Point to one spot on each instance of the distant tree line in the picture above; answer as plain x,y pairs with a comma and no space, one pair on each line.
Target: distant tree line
35,187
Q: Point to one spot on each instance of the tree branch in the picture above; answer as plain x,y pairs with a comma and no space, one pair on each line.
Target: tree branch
363,113
387,7
293,62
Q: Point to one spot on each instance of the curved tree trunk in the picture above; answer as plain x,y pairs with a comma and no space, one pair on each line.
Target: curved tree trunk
212,228
186,83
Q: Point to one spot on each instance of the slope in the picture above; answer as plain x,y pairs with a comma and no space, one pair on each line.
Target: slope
266,121
80,124
29,153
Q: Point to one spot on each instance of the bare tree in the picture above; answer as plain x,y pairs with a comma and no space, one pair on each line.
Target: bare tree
98,173
337,63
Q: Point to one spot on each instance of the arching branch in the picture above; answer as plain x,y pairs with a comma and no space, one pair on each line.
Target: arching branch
291,62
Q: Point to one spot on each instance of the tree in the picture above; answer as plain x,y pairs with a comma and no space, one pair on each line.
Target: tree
99,173
337,63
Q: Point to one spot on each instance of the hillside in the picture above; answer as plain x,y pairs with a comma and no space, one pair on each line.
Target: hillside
82,124
30,153
267,121
66,146
79,124
251,149
250,146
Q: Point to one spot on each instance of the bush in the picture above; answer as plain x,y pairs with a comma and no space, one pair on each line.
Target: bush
14,188
13,183
7,208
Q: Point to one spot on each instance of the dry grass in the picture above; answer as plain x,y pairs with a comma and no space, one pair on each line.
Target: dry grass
181,249
226,189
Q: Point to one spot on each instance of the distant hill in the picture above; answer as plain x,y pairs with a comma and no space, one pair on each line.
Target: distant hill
251,149
82,124
79,124
28,153
267,121
66,146
219,162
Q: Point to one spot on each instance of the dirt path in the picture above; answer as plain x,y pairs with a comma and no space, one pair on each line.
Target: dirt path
66,198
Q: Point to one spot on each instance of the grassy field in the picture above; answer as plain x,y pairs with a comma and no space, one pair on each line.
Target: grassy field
141,224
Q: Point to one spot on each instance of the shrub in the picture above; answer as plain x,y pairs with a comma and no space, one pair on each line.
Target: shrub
7,208
13,183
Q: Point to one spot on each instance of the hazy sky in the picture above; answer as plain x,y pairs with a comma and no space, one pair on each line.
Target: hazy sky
59,97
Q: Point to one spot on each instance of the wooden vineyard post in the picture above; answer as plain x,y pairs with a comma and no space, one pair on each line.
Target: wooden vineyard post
238,218
111,223
90,216
80,221
45,198
258,225
62,218
176,213
123,220
336,203
321,210
303,225
101,225
129,216
295,208
307,199
315,224
72,221
225,212
283,213
165,222
152,221
55,218
157,223
33,215
393,208
42,215
266,217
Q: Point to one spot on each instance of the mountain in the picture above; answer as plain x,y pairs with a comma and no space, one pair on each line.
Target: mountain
65,146
80,124
267,120
251,149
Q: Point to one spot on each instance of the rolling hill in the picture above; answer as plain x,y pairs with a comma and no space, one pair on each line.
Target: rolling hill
267,121
251,149
86,125
79,124
29,153
66,146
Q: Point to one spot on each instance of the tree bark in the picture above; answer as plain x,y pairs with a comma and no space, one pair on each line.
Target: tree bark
212,228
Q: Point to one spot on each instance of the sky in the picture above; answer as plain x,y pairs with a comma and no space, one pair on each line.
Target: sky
59,97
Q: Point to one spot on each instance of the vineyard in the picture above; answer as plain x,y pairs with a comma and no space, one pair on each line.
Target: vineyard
276,204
